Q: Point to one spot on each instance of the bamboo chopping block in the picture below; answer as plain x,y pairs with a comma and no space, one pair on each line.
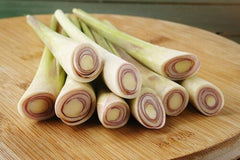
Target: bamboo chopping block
188,136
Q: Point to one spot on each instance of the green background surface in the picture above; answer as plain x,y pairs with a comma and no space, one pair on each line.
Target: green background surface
219,16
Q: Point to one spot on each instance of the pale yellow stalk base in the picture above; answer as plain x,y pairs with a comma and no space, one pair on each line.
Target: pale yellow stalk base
87,62
175,101
210,100
183,66
113,114
73,108
38,106
151,112
129,82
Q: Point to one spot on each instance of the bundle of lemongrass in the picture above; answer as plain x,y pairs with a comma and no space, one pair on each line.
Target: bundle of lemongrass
129,69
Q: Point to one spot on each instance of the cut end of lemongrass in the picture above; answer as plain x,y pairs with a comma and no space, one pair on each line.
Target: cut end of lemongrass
204,96
130,81
210,101
151,111
73,108
182,67
175,102
113,114
113,111
87,63
38,107
116,115
148,110
76,105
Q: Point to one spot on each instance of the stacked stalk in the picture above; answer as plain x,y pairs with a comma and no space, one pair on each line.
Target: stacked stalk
38,100
76,102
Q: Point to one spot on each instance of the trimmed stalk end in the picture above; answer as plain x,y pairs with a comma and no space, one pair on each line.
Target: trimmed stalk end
151,111
73,108
113,114
183,66
148,109
58,11
32,21
175,101
38,106
86,62
210,100
129,81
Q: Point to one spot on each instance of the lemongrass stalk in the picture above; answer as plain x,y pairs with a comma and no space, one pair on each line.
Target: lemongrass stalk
204,96
79,59
121,77
76,102
148,110
64,33
38,100
86,30
173,64
101,41
75,21
174,96
113,111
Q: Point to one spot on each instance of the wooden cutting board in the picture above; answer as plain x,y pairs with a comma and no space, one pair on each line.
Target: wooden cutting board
188,136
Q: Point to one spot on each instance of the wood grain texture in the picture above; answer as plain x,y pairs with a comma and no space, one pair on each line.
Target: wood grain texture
188,136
